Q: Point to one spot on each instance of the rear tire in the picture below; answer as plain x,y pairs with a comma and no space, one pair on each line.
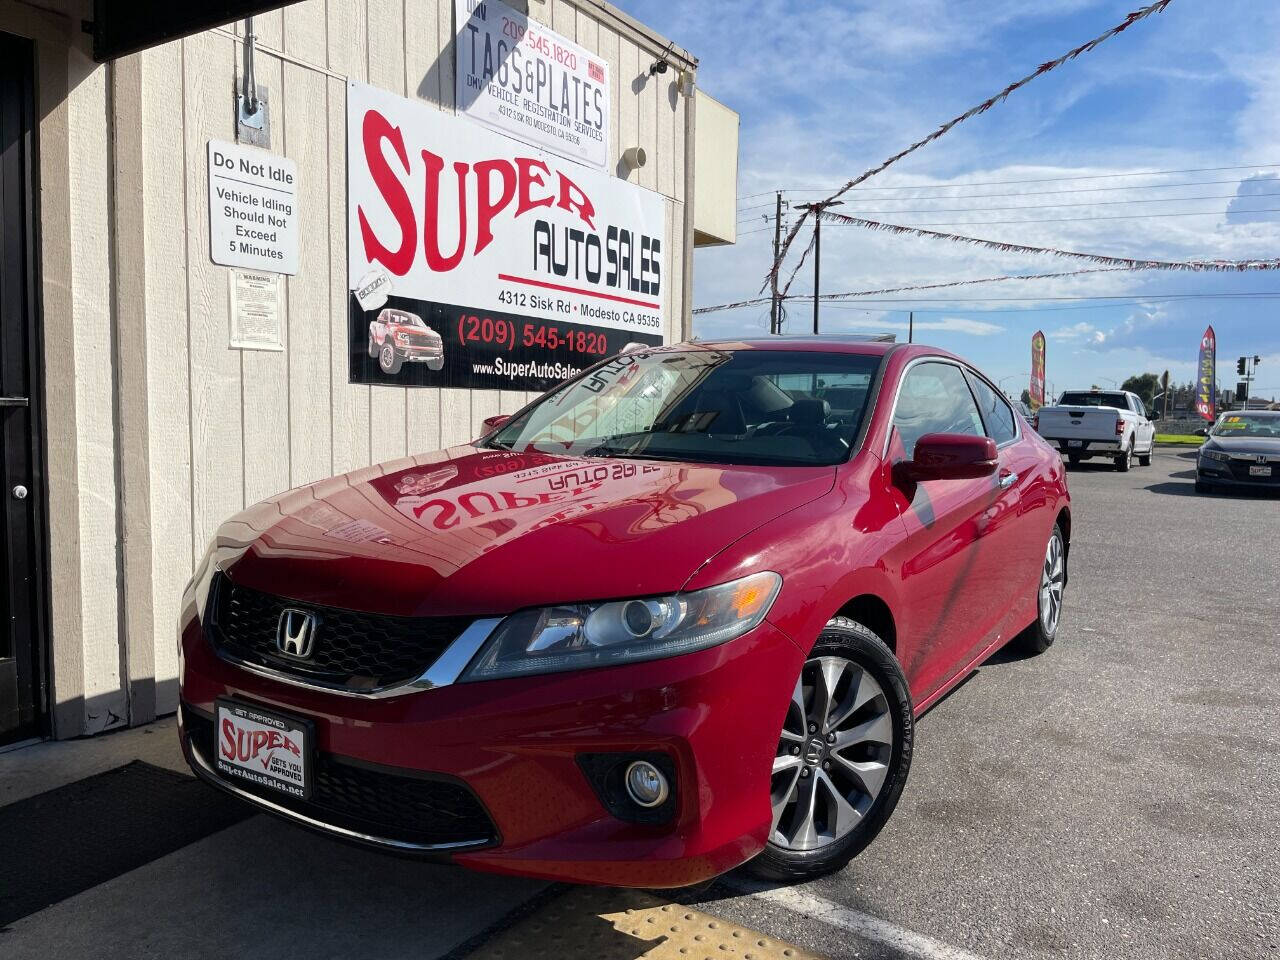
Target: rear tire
1125,460
1050,594
851,777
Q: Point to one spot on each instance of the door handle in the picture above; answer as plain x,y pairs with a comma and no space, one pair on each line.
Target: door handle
1007,480
14,402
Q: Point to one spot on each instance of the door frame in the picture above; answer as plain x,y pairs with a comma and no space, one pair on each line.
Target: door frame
23,51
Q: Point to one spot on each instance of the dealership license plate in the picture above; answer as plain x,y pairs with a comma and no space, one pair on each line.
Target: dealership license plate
1075,443
1255,471
264,748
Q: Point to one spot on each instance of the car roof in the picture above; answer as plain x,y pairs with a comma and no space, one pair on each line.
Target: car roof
823,343
1265,414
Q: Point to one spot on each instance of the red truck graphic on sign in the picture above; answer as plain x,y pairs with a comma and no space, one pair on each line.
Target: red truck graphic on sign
397,336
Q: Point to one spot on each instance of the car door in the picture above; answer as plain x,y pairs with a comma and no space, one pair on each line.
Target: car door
946,569
1018,523
1146,430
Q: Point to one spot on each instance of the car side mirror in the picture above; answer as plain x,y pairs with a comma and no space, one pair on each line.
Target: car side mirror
949,456
491,424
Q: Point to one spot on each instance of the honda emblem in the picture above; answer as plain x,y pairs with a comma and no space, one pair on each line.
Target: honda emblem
296,633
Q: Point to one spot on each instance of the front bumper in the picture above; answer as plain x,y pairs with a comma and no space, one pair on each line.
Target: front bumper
1235,473
421,352
516,745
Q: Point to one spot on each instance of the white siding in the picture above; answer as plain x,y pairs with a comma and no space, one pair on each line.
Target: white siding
157,412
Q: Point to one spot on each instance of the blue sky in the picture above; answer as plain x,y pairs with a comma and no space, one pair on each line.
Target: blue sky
826,90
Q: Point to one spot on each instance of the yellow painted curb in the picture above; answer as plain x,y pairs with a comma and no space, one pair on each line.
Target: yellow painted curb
601,923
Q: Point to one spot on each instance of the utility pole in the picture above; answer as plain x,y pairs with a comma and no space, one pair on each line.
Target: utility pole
775,324
817,210
911,327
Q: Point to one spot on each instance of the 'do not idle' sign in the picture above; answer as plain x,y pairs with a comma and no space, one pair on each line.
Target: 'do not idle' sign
253,208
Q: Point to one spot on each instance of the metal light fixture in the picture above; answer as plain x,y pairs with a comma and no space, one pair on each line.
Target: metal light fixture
634,157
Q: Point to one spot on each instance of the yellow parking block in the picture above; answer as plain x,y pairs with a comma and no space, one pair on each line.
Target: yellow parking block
600,923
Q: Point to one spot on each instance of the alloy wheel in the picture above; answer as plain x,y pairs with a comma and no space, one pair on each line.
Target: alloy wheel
833,755
1052,580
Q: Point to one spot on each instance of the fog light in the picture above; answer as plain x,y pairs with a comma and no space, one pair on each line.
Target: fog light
646,784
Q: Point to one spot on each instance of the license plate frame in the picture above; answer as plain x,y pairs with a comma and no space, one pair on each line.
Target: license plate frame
1075,443
1260,470
292,753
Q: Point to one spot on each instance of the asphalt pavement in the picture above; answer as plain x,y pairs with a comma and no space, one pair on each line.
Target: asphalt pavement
1115,797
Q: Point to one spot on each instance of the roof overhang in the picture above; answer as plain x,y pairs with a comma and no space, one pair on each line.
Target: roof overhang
121,27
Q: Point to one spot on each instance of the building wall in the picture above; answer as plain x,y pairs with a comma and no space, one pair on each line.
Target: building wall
157,431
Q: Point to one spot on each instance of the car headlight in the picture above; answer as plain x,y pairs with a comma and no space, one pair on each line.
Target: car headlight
402,337
581,635
1214,455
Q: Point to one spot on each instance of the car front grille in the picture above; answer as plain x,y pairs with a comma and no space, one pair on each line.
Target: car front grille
354,650
382,804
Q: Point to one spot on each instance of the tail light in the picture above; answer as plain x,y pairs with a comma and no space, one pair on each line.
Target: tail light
1119,428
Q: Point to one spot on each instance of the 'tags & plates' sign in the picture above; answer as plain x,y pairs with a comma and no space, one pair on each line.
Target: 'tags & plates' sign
476,261
527,81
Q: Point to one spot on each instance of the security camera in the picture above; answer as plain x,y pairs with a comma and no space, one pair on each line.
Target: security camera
658,66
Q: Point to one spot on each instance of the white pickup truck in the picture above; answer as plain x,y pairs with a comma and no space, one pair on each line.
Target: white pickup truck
1099,423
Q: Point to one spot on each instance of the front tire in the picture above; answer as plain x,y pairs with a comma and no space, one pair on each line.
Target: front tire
388,359
1039,637
843,755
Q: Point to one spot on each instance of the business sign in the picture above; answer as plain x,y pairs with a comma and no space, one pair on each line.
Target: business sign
475,261
253,208
525,80
1037,372
1207,376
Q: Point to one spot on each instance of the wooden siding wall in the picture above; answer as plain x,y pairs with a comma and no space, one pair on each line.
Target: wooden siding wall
203,430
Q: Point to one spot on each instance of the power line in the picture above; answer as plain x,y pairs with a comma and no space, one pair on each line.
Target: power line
1134,17
1129,216
1002,183
1058,206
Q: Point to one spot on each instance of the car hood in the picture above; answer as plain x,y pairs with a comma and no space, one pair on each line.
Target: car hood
1245,445
479,531
416,331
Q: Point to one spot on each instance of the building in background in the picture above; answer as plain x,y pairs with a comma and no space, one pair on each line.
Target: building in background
232,268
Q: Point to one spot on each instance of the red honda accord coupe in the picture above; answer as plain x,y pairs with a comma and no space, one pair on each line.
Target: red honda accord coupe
678,614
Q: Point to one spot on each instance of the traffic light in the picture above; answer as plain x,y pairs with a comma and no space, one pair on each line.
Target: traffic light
1240,366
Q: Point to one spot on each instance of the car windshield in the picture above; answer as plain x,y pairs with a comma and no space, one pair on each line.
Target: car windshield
1247,425
406,319
1081,398
761,407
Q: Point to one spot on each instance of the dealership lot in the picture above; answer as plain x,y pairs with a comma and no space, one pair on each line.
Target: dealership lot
1114,797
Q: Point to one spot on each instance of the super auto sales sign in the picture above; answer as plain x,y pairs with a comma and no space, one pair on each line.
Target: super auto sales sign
477,261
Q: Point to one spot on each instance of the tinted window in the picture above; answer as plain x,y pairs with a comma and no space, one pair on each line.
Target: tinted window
995,412
1247,425
705,406
1138,408
934,398
1081,398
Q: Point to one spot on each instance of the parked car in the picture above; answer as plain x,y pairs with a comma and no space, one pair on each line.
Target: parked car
396,336
1099,423
677,614
1242,451
1024,412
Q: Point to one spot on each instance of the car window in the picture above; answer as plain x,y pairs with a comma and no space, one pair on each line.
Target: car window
1247,425
996,414
770,407
1081,398
1138,408
934,398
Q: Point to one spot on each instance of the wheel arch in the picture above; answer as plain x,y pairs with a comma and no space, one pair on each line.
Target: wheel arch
874,613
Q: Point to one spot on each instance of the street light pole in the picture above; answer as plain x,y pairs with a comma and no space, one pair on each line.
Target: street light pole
817,210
